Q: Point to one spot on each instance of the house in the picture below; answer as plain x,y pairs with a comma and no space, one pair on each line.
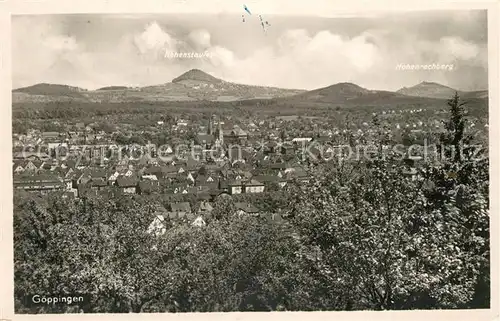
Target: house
40,183
273,217
246,209
223,187
48,165
297,173
235,154
165,150
278,166
54,146
147,159
157,226
82,190
269,180
193,165
180,189
20,166
297,140
190,177
212,168
98,184
231,134
237,133
50,136
287,149
127,185
411,173
205,208
33,165
98,174
235,187
322,139
147,187
253,186
200,179
266,149
205,140
69,194
113,176
71,164
128,173
82,176
205,195
167,171
80,126
151,178
17,168
152,170
181,207
30,155
199,222
314,154
68,182
72,138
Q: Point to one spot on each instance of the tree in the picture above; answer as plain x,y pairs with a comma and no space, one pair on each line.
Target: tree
94,247
106,127
121,139
223,207
377,242
461,192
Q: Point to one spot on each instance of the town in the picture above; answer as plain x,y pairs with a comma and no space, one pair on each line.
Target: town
221,158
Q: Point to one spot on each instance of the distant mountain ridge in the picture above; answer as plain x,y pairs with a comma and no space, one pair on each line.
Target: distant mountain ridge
45,92
196,85
349,93
50,89
436,90
114,88
337,92
428,89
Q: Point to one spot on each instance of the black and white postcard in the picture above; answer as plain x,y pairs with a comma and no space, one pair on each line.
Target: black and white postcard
184,157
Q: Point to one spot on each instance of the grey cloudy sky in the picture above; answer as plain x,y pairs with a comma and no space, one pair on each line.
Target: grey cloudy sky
93,51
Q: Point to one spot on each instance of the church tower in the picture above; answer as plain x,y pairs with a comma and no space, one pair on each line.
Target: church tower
210,130
221,134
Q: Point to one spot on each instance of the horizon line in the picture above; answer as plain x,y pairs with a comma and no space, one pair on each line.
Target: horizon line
269,86
285,88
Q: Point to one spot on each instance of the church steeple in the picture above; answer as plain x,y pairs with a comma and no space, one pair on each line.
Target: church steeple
221,134
210,130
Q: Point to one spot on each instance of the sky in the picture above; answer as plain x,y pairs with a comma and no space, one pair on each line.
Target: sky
302,52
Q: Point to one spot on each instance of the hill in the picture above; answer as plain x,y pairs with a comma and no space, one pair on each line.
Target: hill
482,94
340,92
198,85
197,75
48,92
428,89
114,88
51,89
350,94
436,90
